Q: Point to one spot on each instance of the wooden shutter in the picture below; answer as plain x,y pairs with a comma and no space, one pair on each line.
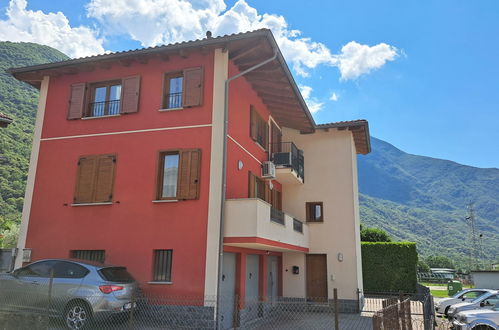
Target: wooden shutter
251,185
130,94
104,179
85,180
253,123
189,171
193,87
267,193
76,101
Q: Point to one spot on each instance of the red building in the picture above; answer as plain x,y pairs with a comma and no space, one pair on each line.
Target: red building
128,164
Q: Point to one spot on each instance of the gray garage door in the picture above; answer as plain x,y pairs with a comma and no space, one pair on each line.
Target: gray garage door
252,270
272,279
228,290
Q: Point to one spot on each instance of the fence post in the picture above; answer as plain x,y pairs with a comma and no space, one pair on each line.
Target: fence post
132,309
51,281
336,310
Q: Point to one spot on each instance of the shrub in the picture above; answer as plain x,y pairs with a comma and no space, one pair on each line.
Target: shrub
389,266
374,235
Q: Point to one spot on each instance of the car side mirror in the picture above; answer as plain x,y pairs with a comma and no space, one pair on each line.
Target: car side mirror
482,304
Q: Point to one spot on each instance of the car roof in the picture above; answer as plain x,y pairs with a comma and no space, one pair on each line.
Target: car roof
95,264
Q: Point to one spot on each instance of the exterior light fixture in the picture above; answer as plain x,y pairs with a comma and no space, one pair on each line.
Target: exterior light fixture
340,257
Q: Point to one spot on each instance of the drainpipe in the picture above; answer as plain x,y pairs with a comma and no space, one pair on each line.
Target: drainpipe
224,179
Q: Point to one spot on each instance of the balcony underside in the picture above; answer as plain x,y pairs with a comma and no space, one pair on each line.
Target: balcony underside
259,243
287,175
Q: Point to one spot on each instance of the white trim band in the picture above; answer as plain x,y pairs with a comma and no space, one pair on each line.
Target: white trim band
240,146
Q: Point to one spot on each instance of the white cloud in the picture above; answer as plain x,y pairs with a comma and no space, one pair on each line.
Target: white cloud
50,29
334,97
153,22
313,104
356,59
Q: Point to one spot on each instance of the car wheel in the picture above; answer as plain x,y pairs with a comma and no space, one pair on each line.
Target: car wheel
482,327
77,316
446,312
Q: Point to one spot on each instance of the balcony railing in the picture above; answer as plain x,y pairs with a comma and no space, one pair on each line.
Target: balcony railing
287,155
276,215
105,108
297,225
174,100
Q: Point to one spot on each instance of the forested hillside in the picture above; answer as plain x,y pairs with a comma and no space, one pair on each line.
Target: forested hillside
424,199
18,101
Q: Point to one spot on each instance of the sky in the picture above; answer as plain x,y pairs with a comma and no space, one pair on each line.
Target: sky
425,73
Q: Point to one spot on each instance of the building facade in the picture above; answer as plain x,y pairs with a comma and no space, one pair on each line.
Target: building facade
131,166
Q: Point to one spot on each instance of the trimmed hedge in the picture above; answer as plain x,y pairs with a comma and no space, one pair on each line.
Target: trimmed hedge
389,266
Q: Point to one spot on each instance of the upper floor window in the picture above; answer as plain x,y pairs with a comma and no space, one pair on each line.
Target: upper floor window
183,89
95,179
257,188
259,130
178,175
314,211
106,98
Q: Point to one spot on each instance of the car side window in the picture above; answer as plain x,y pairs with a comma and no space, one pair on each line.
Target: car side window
64,269
491,301
38,269
472,295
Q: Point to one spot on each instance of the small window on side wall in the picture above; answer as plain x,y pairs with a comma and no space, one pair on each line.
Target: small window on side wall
183,89
162,267
178,174
314,211
90,255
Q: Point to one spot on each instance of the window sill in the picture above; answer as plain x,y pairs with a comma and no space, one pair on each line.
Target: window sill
309,222
160,283
98,117
92,204
165,201
170,109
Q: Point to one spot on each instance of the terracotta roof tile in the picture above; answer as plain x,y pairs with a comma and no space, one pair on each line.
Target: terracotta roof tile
359,129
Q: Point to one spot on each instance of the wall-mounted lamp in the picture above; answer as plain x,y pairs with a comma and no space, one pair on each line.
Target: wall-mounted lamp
340,257
240,165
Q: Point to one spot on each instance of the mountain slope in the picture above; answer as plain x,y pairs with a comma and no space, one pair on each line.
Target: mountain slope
18,101
424,199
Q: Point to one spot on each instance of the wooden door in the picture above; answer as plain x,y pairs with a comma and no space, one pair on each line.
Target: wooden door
316,277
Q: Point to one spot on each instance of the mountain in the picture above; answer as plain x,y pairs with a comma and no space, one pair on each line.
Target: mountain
18,101
425,200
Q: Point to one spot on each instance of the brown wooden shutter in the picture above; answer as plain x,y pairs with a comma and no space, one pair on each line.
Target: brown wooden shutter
308,215
85,178
76,101
104,179
193,87
267,193
189,171
251,185
130,94
253,123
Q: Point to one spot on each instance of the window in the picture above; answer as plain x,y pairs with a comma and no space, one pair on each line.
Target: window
37,269
162,266
257,188
116,274
178,175
90,255
259,130
314,211
183,89
95,179
64,269
104,98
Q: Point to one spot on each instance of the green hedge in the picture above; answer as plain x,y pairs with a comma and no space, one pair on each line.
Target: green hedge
389,266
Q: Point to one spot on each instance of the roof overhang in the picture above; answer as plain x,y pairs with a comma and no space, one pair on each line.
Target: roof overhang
273,82
360,132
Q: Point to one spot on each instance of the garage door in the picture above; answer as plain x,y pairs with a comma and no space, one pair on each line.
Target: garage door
272,279
252,270
227,290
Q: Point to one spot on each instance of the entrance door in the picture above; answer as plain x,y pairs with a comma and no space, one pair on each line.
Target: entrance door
272,279
252,270
316,277
227,290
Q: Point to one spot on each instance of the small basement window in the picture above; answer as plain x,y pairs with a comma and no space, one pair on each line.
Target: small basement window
90,255
162,271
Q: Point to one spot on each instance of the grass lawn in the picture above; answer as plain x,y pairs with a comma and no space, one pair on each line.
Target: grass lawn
439,293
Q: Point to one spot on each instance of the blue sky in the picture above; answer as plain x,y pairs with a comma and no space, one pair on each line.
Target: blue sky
438,96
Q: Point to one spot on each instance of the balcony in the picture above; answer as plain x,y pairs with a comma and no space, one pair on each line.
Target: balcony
289,163
253,223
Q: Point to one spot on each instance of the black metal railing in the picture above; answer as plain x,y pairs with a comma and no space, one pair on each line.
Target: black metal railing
276,216
297,225
286,154
105,108
174,100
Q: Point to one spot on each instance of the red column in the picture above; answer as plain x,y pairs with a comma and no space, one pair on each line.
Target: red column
263,276
241,278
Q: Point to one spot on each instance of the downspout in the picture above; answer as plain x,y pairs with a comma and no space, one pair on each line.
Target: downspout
224,178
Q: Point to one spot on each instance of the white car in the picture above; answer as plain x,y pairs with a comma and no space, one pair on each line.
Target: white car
485,301
467,295
477,319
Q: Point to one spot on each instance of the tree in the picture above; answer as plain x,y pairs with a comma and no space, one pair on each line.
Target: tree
374,235
423,266
439,262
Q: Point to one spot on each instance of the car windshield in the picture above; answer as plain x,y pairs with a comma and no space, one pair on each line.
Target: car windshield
116,274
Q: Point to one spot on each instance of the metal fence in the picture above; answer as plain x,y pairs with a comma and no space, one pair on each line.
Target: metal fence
44,307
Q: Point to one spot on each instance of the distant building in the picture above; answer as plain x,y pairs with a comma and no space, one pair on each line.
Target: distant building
486,279
444,272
